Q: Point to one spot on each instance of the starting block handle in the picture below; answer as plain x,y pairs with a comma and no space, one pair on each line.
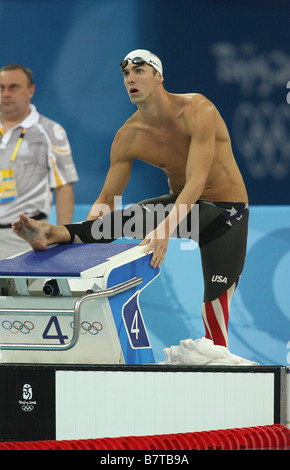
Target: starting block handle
135,281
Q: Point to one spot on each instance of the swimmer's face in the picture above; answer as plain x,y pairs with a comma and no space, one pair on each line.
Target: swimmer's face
140,81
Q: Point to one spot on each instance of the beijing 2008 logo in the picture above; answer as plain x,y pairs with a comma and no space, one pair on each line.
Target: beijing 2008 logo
26,403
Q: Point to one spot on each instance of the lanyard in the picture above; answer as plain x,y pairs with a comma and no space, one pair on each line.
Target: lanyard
18,143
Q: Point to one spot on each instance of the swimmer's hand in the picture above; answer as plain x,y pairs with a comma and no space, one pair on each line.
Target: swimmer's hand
158,242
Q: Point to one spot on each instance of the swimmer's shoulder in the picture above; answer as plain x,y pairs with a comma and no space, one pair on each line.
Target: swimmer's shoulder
192,103
200,113
194,107
190,98
130,127
197,101
125,138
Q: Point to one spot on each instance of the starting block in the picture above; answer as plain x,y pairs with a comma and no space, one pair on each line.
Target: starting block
75,304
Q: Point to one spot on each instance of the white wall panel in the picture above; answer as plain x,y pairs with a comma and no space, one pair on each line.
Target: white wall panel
111,403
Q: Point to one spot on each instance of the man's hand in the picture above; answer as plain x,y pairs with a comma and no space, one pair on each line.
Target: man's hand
158,242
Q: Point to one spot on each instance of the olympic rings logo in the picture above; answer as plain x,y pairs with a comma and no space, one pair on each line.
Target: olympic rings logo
27,407
91,328
18,327
261,134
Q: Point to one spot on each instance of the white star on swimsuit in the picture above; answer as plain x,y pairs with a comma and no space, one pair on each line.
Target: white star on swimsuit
232,211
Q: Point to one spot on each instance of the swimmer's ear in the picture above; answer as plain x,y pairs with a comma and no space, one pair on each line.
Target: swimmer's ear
160,78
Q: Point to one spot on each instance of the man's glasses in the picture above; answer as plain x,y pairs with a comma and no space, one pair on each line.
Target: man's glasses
136,61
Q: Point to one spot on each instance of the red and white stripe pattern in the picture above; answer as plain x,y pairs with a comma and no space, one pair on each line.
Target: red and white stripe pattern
215,315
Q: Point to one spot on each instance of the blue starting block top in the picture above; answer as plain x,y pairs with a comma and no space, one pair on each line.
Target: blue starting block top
116,263
67,261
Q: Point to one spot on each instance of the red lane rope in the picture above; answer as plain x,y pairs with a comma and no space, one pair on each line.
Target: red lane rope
272,437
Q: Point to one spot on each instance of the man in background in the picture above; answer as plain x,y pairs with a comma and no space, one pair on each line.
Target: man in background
35,160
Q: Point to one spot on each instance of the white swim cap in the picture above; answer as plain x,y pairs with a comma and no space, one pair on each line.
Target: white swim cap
147,56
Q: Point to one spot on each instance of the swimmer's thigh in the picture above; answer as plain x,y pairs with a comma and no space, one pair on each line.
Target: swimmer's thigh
223,259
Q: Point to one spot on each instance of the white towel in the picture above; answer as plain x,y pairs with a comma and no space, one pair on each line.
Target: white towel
202,352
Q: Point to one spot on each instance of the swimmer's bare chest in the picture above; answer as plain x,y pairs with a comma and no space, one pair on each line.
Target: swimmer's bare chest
167,150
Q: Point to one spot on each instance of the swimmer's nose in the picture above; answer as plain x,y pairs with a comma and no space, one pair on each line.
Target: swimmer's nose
131,78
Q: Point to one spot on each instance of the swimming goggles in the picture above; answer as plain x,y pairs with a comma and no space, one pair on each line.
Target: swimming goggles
136,61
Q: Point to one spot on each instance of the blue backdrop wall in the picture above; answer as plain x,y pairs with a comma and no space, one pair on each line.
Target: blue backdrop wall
235,52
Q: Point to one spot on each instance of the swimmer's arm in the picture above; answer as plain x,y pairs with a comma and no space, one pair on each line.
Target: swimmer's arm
116,180
201,128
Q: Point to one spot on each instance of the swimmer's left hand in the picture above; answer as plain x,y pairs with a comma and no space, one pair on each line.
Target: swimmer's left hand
158,243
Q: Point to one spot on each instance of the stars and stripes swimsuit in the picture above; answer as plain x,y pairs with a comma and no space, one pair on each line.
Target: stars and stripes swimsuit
223,228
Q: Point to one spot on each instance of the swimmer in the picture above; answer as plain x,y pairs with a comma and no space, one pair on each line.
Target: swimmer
186,137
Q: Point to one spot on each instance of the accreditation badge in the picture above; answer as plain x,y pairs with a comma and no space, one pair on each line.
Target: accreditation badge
8,191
